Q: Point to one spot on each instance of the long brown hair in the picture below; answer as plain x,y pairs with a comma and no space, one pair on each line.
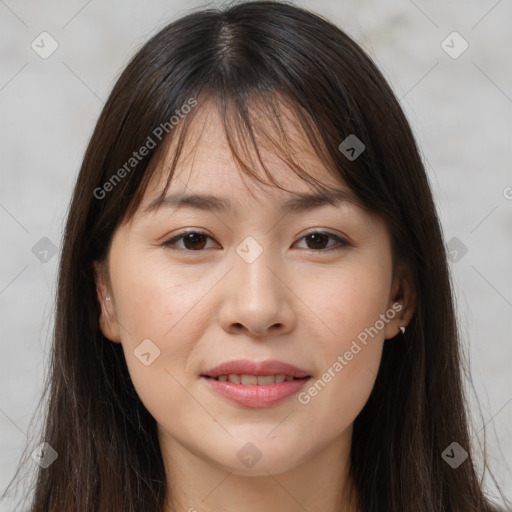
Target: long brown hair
265,54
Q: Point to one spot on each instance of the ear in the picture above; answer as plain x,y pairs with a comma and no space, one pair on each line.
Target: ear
108,320
402,301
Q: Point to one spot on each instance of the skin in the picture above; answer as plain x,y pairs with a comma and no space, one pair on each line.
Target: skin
297,302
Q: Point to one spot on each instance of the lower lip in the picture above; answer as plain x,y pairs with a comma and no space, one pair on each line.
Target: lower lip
256,396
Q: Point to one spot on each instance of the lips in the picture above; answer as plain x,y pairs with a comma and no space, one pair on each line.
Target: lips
255,384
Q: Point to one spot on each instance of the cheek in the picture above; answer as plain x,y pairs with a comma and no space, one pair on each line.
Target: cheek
351,302
351,363
349,308
150,299
152,304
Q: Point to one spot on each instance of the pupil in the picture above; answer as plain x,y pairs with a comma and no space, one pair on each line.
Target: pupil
315,238
193,238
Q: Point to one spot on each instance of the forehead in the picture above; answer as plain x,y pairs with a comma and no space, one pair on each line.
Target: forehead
207,163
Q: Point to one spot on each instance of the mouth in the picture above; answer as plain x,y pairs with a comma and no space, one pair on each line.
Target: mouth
255,380
255,384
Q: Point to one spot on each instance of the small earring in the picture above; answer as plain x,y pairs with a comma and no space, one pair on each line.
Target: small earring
107,297
402,328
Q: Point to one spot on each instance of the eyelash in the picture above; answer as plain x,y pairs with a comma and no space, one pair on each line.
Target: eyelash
340,245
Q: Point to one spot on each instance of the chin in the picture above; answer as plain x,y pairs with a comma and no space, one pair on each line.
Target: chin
260,456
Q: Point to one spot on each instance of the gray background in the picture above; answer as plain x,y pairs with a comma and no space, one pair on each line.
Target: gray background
460,110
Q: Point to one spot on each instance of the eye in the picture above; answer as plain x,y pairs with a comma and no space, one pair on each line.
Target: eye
197,240
317,240
193,241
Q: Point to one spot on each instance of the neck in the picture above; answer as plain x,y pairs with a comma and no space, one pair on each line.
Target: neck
198,484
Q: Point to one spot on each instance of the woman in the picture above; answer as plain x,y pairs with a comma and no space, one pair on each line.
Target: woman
254,306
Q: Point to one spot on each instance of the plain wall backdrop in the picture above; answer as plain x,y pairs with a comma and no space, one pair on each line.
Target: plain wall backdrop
458,101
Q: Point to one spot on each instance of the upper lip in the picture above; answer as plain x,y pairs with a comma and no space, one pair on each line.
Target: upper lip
248,367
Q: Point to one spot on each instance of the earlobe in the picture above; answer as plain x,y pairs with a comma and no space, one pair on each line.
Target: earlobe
108,321
403,302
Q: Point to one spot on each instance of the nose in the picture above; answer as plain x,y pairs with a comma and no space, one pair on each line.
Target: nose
256,299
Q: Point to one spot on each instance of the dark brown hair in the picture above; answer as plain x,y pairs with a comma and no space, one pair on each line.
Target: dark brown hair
245,56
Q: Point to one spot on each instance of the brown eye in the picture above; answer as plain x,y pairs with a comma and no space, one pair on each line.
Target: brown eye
317,241
192,241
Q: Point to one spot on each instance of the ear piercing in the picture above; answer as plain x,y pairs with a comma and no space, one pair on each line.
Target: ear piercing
107,297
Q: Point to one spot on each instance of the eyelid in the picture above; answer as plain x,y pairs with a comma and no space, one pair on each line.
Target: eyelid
341,240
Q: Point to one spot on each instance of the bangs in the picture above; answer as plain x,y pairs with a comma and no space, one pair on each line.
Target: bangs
269,122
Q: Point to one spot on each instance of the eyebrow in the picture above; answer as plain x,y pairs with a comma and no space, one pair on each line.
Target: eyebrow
207,202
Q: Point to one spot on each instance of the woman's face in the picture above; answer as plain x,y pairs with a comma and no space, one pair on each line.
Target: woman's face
309,286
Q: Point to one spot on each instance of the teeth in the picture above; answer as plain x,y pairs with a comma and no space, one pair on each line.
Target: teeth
253,380
249,380
264,380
